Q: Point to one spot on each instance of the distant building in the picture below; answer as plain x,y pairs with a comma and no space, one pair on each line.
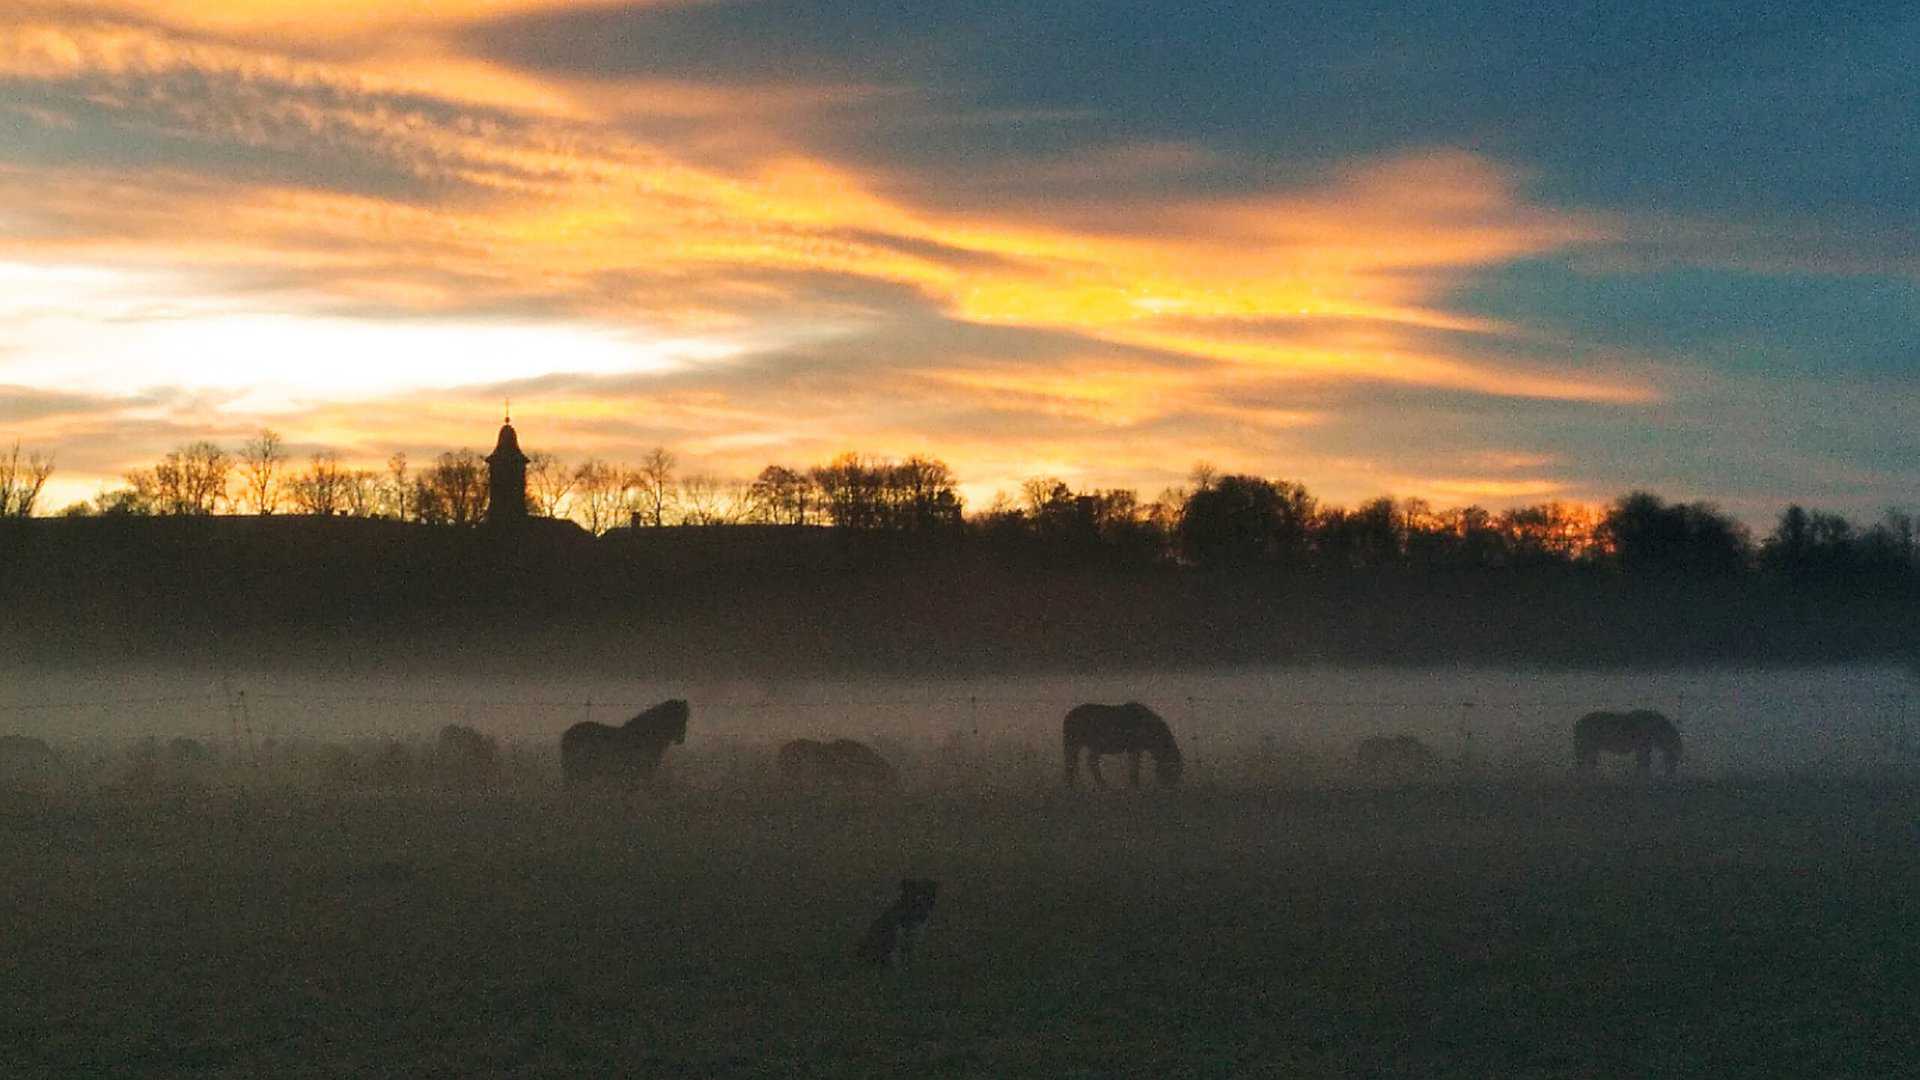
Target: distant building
506,479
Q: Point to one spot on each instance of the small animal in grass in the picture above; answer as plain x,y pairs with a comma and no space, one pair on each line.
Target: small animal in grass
892,935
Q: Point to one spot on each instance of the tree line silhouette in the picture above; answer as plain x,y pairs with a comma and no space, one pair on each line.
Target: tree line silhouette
875,565
1225,522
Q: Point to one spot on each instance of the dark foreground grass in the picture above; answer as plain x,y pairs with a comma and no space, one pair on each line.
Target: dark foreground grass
1759,928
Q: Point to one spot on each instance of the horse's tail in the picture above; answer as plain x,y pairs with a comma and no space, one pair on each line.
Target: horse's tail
1071,739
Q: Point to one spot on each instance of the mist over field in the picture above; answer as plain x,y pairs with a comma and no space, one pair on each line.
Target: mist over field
1018,540
1279,724
318,895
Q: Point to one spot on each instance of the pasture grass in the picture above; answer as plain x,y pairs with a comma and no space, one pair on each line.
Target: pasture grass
1733,927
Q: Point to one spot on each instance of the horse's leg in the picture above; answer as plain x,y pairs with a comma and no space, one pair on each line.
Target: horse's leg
1133,768
1093,767
1643,759
1073,764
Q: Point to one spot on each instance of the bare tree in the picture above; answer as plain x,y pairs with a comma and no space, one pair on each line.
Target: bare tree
1549,531
1057,513
705,500
923,494
361,493
134,500
454,491
190,480
654,484
736,498
1039,493
261,459
858,492
1163,514
20,485
853,491
781,496
396,495
549,484
603,495
322,489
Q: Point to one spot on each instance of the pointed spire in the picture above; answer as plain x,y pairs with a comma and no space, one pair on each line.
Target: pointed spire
507,474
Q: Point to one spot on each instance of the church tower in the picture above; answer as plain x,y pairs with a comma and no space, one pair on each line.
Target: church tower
506,478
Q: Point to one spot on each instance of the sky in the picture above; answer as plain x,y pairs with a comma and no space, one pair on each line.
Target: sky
1494,253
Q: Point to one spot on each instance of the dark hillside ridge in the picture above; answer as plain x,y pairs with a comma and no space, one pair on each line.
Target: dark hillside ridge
375,595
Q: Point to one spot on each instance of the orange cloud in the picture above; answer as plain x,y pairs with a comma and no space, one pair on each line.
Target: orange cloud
449,187
297,19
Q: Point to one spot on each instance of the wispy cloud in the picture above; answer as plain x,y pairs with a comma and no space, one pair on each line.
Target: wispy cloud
317,214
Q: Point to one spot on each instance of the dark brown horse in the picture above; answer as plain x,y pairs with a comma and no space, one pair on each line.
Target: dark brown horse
1639,733
465,758
1131,729
842,762
627,754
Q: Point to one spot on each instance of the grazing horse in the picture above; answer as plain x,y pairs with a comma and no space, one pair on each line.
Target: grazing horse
1129,729
625,754
24,760
1639,732
186,753
843,762
465,757
1396,757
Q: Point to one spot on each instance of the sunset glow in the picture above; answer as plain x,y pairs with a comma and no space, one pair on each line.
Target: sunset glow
365,224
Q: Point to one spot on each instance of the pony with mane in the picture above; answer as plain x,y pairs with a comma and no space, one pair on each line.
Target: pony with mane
1640,733
842,762
627,754
1131,729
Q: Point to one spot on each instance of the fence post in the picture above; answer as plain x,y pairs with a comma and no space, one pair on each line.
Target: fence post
1466,736
1195,738
233,718
1901,747
246,724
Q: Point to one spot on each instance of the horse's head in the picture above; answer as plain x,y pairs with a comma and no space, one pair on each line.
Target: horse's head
673,718
1668,739
667,720
1658,730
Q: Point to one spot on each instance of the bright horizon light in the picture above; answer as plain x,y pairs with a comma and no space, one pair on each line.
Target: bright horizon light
681,225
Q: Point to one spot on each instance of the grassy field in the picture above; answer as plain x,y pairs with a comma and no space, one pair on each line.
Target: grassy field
1730,927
